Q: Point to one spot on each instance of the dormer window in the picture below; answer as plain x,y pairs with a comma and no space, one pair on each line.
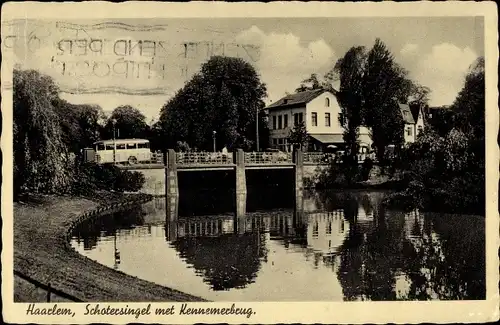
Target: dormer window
327,102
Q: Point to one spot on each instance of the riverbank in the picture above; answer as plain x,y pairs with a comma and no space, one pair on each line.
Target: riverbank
42,253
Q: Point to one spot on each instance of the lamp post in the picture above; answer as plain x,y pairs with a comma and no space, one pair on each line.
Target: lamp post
257,128
113,121
213,136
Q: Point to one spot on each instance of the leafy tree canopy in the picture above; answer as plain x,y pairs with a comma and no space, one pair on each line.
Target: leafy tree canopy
299,136
224,97
129,123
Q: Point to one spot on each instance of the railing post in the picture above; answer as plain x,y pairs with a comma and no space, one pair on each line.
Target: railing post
171,186
241,186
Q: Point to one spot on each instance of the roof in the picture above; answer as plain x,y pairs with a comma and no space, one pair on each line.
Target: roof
328,137
406,113
303,97
121,141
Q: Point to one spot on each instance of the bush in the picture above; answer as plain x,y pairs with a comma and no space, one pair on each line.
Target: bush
340,175
91,177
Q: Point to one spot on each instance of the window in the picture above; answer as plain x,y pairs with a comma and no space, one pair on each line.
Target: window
143,145
274,122
120,146
297,118
100,147
408,131
281,141
314,117
301,118
109,147
327,102
341,119
316,229
275,141
329,228
285,120
327,119
280,122
131,145
420,129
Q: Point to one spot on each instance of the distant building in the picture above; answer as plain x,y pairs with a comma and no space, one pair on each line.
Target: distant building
413,119
322,116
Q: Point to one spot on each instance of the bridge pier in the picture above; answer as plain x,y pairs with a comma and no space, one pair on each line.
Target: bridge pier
299,172
241,185
171,187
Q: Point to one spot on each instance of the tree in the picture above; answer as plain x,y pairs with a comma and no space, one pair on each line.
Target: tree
447,170
129,123
310,83
40,156
442,120
225,96
299,136
385,84
350,70
469,104
81,124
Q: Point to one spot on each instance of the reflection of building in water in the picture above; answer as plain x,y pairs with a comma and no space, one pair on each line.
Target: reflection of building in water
364,215
414,225
326,232
418,233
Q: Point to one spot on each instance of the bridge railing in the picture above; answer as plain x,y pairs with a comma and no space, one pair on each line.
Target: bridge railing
364,156
203,158
157,158
322,158
252,158
318,158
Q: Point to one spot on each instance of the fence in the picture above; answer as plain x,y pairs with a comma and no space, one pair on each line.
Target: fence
253,158
157,158
205,158
47,287
256,158
318,158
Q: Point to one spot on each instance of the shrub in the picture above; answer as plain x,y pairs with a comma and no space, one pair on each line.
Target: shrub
91,177
340,175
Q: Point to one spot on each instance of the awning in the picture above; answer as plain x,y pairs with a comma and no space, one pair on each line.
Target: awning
328,138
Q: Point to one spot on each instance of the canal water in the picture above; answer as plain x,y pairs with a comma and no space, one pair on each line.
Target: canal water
336,246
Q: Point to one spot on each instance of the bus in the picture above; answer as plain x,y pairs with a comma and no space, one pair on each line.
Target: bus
131,151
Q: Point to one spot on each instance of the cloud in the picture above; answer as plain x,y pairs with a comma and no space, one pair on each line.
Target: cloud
409,49
443,71
284,61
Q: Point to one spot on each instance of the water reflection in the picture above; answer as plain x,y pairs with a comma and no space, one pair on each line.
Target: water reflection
333,246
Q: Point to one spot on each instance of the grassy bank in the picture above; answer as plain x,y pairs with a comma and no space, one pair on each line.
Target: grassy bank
40,252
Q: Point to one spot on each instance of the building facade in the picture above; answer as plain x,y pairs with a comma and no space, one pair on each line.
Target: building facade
322,117
413,119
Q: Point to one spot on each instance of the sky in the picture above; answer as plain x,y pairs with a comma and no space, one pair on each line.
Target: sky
436,51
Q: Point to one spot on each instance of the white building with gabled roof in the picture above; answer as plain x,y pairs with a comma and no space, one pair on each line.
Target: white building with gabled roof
322,116
413,119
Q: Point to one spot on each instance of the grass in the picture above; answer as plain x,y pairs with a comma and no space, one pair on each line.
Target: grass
41,252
